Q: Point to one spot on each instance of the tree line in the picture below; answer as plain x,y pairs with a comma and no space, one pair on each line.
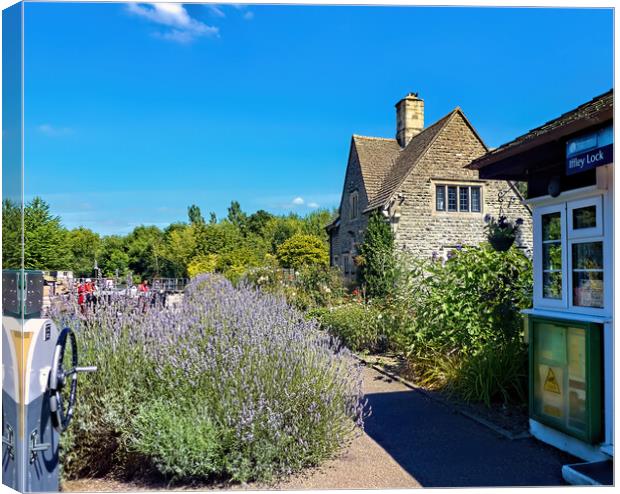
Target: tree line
230,245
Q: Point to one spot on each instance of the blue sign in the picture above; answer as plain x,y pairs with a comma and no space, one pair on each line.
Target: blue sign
590,150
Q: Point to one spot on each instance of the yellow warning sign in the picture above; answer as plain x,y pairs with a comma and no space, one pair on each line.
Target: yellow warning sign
551,383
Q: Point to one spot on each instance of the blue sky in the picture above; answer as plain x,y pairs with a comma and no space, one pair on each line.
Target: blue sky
132,112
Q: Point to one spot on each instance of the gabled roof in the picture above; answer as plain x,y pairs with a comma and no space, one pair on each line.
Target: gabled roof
597,110
407,159
376,156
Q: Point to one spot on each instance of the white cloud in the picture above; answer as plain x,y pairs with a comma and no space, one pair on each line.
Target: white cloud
52,131
249,15
313,205
182,27
298,201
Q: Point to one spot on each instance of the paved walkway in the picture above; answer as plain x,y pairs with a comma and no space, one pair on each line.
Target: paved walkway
412,441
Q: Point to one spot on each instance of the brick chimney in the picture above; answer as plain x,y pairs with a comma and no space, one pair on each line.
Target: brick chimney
409,118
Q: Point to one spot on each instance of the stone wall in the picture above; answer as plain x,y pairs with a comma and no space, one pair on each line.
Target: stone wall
351,230
422,230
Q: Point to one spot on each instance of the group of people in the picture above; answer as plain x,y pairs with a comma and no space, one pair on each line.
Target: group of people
86,292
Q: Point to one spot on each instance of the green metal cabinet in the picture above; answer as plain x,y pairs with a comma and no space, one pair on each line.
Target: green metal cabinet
565,376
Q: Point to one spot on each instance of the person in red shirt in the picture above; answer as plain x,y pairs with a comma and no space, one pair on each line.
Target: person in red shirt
144,286
81,290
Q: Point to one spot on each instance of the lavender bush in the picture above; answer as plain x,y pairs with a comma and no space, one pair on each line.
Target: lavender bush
233,384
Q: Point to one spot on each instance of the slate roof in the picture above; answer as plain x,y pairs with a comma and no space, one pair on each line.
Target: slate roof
590,111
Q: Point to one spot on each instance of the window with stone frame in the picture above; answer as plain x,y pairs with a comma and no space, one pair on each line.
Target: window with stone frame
458,198
353,199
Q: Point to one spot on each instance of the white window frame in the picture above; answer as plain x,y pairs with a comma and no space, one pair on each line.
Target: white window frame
539,299
597,231
586,235
570,237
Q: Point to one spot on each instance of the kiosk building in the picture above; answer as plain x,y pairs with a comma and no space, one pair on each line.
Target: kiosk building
568,166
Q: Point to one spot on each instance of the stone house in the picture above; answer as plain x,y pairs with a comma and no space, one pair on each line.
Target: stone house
419,183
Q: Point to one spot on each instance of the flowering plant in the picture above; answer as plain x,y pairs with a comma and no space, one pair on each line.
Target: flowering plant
502,233
233,383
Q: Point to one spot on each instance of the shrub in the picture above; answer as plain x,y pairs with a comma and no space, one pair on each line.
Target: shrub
471,301
459,322
377,259
360,327
235,384
202,263
302,250
496,374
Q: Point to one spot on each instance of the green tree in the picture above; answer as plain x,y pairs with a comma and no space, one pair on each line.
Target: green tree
194,214
85,246
113,258
377,258
281,228
315,223
258,220
45,239
179,248
145,248
302,250
237,217
217,238
11,235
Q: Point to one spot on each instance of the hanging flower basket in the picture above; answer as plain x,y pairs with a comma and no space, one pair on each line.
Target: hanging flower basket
501,244
501,233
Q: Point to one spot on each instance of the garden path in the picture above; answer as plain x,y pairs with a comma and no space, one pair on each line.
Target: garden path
411,441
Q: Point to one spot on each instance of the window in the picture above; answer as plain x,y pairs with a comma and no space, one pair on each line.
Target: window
452,199
475,200
458,198
440,198
463,198
569,256
552,255
353,206
587,274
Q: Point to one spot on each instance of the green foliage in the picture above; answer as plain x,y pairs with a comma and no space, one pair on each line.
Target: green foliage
377,258
194,215
496,374
309,288
45,240
144,248
257,221
217,238
179,248
113,256
11,235
237,217
453,319
85,246
185,442
360,327
203,263
302,250
237,244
